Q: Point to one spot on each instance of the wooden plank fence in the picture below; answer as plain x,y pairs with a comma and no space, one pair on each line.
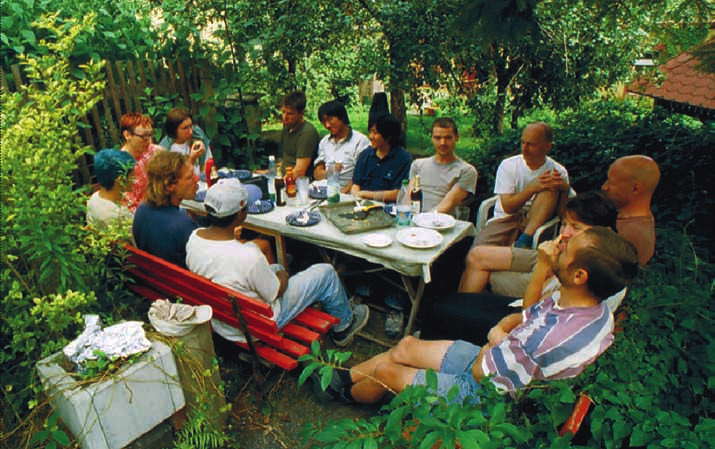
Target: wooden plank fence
131,86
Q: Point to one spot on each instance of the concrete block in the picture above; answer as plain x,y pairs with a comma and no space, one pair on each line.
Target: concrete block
113,413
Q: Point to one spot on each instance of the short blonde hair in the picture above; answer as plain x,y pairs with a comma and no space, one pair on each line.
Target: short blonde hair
163,170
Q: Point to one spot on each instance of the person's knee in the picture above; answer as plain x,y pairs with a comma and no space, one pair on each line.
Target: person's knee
473,257
402,352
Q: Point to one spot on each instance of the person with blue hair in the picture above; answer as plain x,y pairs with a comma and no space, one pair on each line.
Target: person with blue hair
114,171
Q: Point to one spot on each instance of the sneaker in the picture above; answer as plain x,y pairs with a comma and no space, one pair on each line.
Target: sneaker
393,324
361,313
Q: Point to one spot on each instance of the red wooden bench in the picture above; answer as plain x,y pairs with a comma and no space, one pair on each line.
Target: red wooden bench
157,279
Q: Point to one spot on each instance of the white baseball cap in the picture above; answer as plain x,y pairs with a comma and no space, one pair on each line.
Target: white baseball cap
225,198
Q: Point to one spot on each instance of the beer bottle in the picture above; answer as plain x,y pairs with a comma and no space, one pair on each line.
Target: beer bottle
291,191
416,196
280,185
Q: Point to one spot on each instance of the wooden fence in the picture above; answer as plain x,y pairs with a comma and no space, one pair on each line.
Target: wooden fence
130,87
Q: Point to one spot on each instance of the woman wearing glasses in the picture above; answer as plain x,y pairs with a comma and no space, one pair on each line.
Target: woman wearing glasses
137,133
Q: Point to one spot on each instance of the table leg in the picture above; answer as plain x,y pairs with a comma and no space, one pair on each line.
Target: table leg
415,299
280,242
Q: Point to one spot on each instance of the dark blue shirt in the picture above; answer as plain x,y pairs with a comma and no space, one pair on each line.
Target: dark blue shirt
375,174
163,232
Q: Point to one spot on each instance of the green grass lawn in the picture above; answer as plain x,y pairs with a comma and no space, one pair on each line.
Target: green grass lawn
418,131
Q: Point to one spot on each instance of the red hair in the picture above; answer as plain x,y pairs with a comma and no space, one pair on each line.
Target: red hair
132,120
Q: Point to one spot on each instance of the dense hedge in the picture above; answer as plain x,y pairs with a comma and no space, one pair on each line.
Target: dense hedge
586,142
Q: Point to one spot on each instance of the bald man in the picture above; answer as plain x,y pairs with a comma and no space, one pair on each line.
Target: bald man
630,185
530,187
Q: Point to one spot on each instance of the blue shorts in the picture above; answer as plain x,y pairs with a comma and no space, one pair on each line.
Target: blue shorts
455,369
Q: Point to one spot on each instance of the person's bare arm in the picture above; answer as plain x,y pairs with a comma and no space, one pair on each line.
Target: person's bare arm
452,199
512,202
542,271
301,166
319,171
503,327
477,371
386,196
347,188
283,277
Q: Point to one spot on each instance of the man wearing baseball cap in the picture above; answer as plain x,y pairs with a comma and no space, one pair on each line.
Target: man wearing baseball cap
215,253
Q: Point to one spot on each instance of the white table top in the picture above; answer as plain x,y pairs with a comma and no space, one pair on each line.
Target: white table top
397,257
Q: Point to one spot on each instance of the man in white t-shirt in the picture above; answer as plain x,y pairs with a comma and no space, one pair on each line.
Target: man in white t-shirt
530,187
445,179
342,146
216,253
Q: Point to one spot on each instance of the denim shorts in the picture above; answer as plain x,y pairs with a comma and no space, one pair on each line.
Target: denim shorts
455,369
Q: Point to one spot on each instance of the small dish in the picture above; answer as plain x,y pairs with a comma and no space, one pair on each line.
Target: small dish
260,207
303,218
318,192
419,238
433,220
377,240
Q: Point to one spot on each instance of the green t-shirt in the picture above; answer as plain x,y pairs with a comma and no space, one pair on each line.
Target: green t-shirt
301,143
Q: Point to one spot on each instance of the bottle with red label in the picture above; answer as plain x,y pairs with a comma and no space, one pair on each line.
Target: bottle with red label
291,190
207,170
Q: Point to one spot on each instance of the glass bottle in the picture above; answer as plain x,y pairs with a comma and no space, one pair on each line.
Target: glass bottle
403,206
290,183
416,196
272,178
333,183
279,186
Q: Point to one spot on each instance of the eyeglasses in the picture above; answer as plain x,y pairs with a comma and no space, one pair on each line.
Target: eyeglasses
146,136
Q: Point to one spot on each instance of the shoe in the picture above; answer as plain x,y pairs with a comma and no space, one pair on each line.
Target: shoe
393,324
361,314
333,392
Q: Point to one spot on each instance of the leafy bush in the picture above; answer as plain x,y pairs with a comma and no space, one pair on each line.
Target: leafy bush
52,264
587,141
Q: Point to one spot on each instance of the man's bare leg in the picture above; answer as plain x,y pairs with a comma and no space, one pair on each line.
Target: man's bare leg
541,210
396,368
482,260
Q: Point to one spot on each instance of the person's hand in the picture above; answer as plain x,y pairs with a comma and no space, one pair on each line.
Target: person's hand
339,166
237,232
496,335
547,252
197,150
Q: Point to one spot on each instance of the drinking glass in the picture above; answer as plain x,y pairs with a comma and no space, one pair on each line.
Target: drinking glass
302,185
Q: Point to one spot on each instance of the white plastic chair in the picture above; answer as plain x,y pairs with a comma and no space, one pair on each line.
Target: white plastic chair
546,231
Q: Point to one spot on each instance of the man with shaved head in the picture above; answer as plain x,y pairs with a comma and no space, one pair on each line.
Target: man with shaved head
630,185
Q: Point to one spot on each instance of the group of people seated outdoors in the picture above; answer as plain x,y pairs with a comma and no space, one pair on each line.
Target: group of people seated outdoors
568,287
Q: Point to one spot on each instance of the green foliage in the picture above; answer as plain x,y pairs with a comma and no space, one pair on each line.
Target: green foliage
103,365
418,417
122,30
201,430
51,435
587,140
54,269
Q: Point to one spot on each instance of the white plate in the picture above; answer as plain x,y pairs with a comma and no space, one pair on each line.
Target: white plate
433,220
419,238
377,240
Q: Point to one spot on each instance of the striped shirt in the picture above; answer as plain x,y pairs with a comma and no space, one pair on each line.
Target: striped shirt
551,343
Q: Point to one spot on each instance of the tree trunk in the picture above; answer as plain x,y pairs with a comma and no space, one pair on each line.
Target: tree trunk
398,109
499,106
